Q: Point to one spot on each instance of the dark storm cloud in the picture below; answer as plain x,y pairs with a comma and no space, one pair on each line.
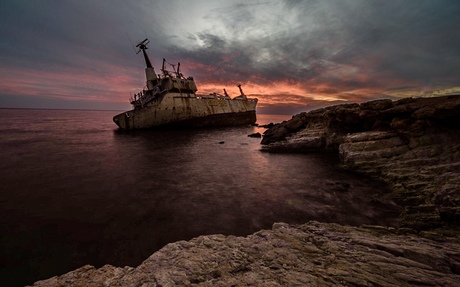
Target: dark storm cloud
416,41
34,33
75,49
401,39
337,48
74,33
407,41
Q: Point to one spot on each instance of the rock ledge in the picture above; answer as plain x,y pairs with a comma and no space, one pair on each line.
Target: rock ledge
312,254
411,144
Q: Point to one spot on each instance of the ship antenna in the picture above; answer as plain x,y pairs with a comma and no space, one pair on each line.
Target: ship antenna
142,47
134,48
241,90
178,68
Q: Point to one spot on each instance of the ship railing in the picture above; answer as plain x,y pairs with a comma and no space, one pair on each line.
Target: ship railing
241,98
210,96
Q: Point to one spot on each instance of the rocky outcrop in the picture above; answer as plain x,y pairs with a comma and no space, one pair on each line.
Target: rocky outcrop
412,144
313,254
255,135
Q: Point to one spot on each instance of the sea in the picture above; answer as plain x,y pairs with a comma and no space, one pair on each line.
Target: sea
75,190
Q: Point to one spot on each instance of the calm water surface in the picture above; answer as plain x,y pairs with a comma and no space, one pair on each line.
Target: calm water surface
75,191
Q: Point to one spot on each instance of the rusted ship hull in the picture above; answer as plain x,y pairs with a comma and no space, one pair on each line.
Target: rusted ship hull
170,99
177,110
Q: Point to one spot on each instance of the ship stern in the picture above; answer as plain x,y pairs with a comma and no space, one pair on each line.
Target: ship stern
122,121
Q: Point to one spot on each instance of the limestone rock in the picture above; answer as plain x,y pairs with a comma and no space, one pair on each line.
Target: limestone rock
255,135
377,105
412,144
312,254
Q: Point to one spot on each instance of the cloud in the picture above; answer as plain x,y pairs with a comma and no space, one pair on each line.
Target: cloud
346,44
348,50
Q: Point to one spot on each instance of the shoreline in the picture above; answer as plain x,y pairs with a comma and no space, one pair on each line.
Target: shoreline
311,254
411,144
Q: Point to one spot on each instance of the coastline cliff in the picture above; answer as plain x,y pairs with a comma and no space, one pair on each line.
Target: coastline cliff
411,144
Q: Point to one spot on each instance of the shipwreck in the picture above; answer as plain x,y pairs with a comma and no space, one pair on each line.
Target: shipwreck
169,99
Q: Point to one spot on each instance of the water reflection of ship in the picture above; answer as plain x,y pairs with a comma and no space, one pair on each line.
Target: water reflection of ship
170,99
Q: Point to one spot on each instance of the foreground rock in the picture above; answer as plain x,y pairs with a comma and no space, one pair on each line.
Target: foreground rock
313,254
412,144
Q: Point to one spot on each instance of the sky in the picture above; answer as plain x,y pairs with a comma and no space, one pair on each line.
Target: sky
293,55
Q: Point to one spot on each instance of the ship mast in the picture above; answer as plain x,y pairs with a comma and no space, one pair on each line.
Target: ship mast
142,47
178,72
241,92
149,71
163,67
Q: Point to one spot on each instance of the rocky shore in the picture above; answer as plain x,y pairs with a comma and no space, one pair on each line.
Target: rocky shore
313,254
411,144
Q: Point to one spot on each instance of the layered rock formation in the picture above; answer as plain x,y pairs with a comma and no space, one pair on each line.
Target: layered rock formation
313,254
412,144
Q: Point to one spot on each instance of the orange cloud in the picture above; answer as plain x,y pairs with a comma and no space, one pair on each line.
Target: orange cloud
111,84
279,92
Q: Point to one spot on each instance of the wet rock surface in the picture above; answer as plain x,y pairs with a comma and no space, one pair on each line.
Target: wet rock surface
411,144
313,254
255,135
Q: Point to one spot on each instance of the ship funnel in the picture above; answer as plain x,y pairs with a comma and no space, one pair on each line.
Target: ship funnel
151,78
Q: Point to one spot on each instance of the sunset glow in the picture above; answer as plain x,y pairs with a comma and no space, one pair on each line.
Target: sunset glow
293,56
